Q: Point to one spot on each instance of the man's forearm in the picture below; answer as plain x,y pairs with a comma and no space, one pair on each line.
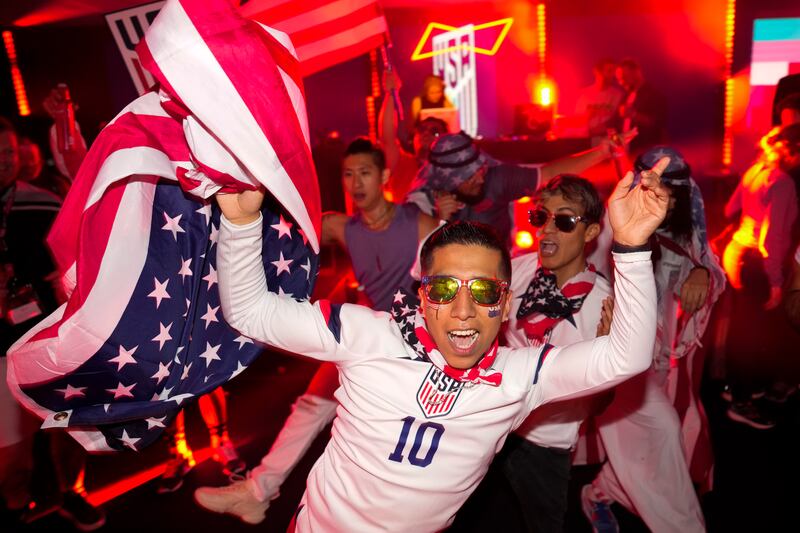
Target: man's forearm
574,164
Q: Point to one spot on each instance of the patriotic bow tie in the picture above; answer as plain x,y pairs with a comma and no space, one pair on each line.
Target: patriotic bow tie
406,312
544,305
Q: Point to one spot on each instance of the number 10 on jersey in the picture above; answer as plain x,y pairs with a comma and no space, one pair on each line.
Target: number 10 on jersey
419,438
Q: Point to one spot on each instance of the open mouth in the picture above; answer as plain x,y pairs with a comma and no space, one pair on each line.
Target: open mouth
547,248
463,340
359,196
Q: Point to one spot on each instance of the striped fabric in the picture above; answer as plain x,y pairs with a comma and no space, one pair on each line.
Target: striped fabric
136,238
324,32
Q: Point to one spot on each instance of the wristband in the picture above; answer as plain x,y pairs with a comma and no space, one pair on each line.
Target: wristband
623,249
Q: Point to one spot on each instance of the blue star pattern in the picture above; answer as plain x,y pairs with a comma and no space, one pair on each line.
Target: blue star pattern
172,344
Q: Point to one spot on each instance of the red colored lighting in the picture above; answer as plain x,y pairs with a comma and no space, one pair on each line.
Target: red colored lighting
16,75
730,28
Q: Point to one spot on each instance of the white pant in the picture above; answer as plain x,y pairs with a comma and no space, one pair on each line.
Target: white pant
310,414
646,470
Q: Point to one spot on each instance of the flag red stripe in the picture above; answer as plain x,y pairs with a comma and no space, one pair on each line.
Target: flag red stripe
267,100
573,289
273,15
146,57
130,130
285,60
332,27
323,61
96,225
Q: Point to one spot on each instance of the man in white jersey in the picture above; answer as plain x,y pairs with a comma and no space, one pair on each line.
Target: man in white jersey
423,412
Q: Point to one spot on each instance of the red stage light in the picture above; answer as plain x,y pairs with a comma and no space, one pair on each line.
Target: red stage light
730,27
16,75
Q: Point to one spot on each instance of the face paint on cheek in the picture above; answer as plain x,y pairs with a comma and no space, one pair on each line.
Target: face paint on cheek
494,311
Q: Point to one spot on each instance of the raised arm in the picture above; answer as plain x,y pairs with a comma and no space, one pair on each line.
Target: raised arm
320,331
587,367
577,163
387,121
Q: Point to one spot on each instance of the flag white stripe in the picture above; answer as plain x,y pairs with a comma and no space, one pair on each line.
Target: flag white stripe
110,295
321,15
256,153
343,39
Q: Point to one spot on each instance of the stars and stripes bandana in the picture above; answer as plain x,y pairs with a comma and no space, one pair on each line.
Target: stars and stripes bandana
142,332
544,305
406,313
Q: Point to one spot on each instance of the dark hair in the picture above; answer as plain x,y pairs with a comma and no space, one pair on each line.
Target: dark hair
679,220
469,234
790,137
575,189
630,63
602,62
362,145
790,102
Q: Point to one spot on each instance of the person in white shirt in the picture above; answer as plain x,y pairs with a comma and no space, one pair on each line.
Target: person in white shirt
426,401
559,299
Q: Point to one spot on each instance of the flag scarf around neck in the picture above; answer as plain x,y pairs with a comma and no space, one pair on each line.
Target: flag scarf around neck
142,332
543,304
406,312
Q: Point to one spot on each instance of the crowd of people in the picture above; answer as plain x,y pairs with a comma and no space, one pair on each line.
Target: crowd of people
527,361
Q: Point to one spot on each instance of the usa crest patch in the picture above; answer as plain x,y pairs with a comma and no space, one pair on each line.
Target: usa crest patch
438,393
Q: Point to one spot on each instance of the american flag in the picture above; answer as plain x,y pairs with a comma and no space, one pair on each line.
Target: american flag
324,32
142,332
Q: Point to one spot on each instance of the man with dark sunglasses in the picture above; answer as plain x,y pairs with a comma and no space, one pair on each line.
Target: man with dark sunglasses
559,299
427,399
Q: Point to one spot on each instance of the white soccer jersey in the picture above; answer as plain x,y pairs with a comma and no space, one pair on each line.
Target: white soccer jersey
394,461
554,425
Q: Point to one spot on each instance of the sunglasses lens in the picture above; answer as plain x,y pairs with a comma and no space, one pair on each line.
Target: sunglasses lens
442,289
565,223
537,218
486,291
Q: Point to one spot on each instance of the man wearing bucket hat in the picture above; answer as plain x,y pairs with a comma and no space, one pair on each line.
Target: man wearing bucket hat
461,182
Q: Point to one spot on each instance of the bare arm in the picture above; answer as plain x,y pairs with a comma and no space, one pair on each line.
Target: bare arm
577,163
387,121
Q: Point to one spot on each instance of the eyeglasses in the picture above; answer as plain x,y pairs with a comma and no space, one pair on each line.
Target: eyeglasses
564,222
444,289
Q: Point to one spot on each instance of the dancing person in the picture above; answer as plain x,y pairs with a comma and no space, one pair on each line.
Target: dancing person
370,475
641,430
381,270
766,202
600,101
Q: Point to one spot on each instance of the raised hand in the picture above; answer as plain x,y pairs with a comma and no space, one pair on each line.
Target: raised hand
241,208
635,213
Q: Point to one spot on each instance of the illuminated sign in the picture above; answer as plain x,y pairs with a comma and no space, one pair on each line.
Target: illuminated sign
454,62
419,54
128,27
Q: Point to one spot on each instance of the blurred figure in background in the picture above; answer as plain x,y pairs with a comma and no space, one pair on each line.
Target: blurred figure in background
430,97
600,102
760,339
403,166
643,108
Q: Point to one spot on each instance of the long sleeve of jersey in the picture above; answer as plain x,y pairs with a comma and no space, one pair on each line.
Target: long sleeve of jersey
282,322
591,366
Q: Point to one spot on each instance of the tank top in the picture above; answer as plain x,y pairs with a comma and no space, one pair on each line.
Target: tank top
382,260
